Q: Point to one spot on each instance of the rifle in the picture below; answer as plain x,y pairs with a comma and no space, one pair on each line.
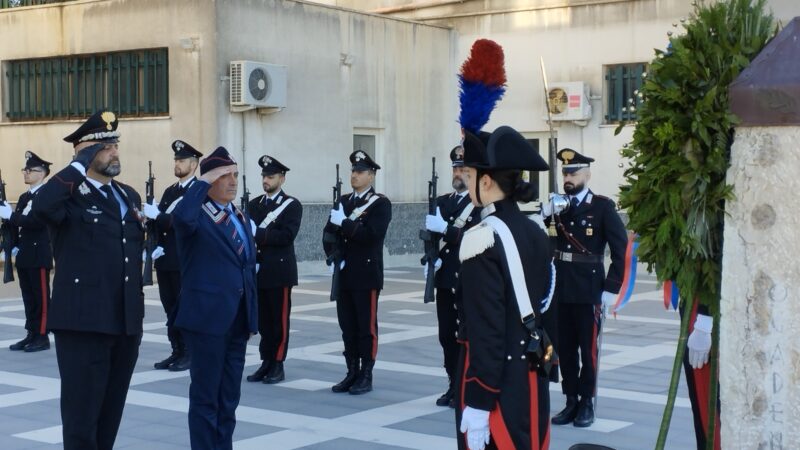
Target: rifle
152,234
245,193
335,241
7,235
430,239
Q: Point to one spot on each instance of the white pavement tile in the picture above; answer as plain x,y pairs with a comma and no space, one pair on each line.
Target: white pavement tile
306,384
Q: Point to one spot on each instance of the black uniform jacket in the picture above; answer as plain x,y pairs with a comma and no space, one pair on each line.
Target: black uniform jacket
33,239
275,243
590,226
496,369
166,235
363,241
97,286
451,206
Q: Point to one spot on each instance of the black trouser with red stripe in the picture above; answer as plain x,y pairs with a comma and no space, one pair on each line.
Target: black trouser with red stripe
448,325
35,286
698,381
578,326
358,318
274,308
169,289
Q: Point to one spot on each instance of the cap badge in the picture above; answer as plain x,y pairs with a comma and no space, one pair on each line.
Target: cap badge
567,156
28,155
460,153
360,156
108,117
179,145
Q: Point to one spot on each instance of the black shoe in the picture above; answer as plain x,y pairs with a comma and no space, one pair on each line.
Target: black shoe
363,383
260,373
452,403
181,364
21,344
567,414
585,415
349,379
447,397
38,343
164,365
275,374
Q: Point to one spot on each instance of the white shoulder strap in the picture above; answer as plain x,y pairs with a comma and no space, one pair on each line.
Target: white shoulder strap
360,210
461,220
275,213
514,265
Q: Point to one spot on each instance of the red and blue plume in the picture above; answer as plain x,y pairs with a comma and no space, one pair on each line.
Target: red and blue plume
482,83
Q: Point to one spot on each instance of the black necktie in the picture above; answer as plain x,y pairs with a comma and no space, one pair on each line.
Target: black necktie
575,202
110,196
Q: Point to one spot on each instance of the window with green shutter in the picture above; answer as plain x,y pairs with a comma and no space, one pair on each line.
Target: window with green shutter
131,83
623,82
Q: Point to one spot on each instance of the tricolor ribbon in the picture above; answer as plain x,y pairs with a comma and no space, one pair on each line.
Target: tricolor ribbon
671,295
629,278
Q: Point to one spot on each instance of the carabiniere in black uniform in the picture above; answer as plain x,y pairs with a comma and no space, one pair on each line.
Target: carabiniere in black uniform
167,265
362,277
277,217
460,214
97,305
34,262
589,224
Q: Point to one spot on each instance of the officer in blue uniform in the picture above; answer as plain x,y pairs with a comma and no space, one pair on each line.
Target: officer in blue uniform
34,258
361,220
455,214
278,217
97,305
217,309
165,255
583,288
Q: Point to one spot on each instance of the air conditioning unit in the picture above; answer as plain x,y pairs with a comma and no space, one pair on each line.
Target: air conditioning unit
257,85
569,100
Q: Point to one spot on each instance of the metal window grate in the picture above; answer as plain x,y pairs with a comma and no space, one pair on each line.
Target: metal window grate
17,3
622,83
132,83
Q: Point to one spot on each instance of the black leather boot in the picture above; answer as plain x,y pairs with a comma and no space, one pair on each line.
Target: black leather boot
275,374
164,364
350,378
184,362
567,414
21,344
363,382
260,373
447,397
38,343
585,415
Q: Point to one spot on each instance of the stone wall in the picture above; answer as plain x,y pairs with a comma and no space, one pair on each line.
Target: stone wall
760,308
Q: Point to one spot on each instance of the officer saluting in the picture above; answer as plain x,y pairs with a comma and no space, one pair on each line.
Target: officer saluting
455,214
34,259
361,219
277,217
165,255
97,305
582,288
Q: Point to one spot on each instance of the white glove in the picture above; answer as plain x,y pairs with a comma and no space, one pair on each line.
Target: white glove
609,300
699,343
547,208
158,252
151,210
253,227
436,266
5,210
436,223
330,267
14,251
27,207
475,423
337,215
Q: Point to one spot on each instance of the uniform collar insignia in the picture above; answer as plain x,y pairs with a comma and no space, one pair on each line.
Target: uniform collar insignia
83,188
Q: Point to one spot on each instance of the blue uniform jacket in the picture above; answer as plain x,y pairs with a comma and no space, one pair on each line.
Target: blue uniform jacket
215,279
